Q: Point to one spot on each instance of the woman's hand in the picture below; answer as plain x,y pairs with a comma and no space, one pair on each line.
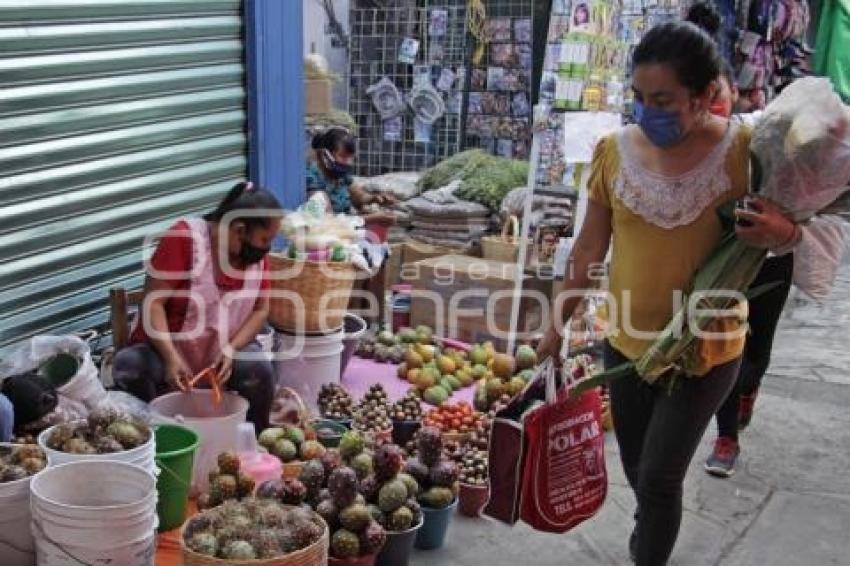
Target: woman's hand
177,373
223,369
382,217
550,346
769,227
385,199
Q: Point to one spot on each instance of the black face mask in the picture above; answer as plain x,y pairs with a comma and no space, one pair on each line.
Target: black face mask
251,254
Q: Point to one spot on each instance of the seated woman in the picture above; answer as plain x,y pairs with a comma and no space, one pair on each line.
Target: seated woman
329,171
205,304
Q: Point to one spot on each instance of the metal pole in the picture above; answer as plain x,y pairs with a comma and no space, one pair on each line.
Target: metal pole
525,228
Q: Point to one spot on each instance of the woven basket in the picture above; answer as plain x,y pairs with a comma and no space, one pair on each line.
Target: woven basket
314,555
459,437
505,247
324,289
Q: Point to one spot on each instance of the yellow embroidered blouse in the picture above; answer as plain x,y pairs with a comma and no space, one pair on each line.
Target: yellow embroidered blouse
663,229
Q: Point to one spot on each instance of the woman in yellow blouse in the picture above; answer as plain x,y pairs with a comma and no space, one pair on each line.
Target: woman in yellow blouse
653,193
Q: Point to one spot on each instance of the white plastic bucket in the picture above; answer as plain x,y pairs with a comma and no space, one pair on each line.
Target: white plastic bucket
94,512
142,456
305,363
16,542
217,425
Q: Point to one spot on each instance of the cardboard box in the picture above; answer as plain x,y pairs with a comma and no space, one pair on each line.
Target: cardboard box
317,96
407,253
466,298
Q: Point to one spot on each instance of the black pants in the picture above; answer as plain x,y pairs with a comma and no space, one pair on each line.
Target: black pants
139,371
765,311
658,431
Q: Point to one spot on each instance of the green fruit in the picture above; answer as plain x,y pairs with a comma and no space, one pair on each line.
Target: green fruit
350,445
527,375
446,384
295,435
270,436
355,518
435,395
526,357
454,382
345,544
411,483
386,338
362,465
285,450
479,356
515,385
437,497
479,371
392,496
400,520
407,335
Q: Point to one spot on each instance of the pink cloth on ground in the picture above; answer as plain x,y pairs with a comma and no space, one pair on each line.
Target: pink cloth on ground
360,374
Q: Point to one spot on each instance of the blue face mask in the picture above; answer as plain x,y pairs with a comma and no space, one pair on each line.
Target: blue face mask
660,126
334,167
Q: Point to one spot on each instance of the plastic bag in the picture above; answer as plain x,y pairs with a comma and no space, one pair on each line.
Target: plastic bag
818,256
802,143
401,185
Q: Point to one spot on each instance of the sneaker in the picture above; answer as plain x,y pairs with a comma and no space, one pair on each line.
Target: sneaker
721,463
745,409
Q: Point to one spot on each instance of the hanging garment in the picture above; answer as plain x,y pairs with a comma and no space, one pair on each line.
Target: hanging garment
832,53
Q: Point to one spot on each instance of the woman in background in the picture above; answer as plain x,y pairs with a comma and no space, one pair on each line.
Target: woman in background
329,171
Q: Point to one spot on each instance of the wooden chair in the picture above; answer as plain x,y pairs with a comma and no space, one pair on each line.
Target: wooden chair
120,302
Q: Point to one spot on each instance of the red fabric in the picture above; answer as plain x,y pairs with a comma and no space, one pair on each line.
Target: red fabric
174,254
564,477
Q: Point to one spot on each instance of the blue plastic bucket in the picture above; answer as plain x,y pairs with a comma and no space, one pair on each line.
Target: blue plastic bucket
435,525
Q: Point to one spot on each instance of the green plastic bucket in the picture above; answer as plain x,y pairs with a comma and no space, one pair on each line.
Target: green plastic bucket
175,455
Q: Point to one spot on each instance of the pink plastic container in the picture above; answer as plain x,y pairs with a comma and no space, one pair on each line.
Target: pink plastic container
262,467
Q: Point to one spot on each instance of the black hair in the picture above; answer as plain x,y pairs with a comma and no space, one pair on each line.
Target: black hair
244,197
334,139
690,51
705,16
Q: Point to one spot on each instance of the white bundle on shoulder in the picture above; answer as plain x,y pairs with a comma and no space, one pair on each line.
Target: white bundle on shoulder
802,143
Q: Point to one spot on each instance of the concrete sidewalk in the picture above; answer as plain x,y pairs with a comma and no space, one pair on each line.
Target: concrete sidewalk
789,503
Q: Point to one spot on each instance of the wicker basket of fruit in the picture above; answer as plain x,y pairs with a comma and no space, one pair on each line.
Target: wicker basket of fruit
255,532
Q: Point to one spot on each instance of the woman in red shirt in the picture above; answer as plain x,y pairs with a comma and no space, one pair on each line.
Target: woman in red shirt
205,302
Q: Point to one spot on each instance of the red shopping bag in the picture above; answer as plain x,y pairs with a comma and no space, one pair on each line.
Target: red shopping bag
506,465
564,477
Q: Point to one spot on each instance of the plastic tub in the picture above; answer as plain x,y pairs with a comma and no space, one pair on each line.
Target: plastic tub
354,327
142,456
398,548
16,542
217,425
175,455
306,362
94,512
329,432
435,525
472,499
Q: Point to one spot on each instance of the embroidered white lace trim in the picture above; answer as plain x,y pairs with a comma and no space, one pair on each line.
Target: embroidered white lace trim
666,201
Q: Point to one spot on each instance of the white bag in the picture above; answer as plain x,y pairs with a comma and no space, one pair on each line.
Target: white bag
802,142
818,256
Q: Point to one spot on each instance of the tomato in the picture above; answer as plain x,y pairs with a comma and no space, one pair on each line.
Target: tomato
468,421
456,424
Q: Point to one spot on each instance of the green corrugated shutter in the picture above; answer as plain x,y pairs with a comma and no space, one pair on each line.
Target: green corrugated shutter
116,117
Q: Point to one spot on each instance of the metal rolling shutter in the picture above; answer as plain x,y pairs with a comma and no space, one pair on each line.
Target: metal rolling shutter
116,117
